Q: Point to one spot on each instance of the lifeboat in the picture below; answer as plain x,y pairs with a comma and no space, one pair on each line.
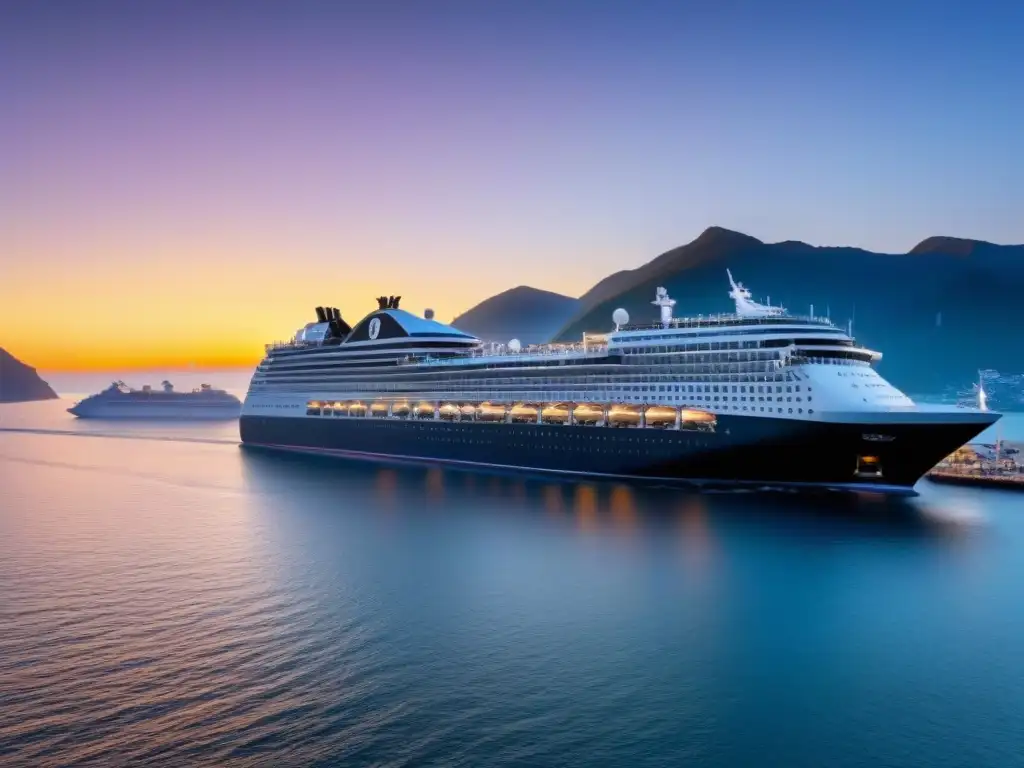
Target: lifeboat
660,416
555,413
357,409
621,415
340,409
491,412
424,410
400,410
588,413
702,420
524,412
379,410
467,411
449,411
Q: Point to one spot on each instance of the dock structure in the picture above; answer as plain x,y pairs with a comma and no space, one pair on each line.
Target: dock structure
998,465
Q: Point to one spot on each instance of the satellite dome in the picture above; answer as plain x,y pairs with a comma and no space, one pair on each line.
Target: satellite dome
620,317
428,314
515,345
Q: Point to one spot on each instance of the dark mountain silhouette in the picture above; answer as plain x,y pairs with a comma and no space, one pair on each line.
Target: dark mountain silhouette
954,246
19,382
712,241
528,314
937,313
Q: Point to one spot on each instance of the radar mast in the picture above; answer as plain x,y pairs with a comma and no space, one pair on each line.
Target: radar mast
663,302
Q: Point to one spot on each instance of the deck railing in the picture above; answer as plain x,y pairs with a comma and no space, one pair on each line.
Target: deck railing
708,321
540,352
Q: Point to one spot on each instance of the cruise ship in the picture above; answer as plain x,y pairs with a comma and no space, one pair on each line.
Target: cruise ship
756,398
119,401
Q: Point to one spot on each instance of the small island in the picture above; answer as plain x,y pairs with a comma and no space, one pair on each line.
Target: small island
20,382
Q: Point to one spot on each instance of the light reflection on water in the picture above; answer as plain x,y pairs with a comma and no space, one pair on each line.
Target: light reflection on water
182,601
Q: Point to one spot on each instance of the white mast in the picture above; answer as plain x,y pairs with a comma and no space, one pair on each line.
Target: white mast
746,306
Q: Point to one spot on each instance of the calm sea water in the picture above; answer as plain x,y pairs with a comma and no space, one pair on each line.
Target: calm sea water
167,598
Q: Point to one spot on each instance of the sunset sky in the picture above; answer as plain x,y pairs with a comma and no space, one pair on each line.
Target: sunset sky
182,182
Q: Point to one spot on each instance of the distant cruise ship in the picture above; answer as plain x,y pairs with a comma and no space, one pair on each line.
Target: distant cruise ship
757,397
118,401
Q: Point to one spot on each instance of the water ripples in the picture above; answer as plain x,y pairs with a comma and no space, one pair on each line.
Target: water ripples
178,602
142,673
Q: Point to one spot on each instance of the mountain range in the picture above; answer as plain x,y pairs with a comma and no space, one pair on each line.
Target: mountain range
528,314
20,382
938,313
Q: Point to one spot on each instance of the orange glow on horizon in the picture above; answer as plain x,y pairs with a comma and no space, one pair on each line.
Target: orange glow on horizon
151,314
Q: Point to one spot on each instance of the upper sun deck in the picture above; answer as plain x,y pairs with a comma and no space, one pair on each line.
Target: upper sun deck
727,320
748,314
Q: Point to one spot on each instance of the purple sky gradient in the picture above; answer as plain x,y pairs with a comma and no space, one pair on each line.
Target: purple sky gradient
447,150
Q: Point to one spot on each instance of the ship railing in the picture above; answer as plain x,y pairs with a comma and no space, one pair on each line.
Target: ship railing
814,360
575,351
276,346
712,320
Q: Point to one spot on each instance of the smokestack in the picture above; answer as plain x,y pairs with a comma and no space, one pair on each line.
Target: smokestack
337,313
321,316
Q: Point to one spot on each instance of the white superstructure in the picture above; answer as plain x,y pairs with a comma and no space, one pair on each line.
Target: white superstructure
757,361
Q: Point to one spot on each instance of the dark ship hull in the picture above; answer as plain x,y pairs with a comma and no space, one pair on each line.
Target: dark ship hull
861,454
